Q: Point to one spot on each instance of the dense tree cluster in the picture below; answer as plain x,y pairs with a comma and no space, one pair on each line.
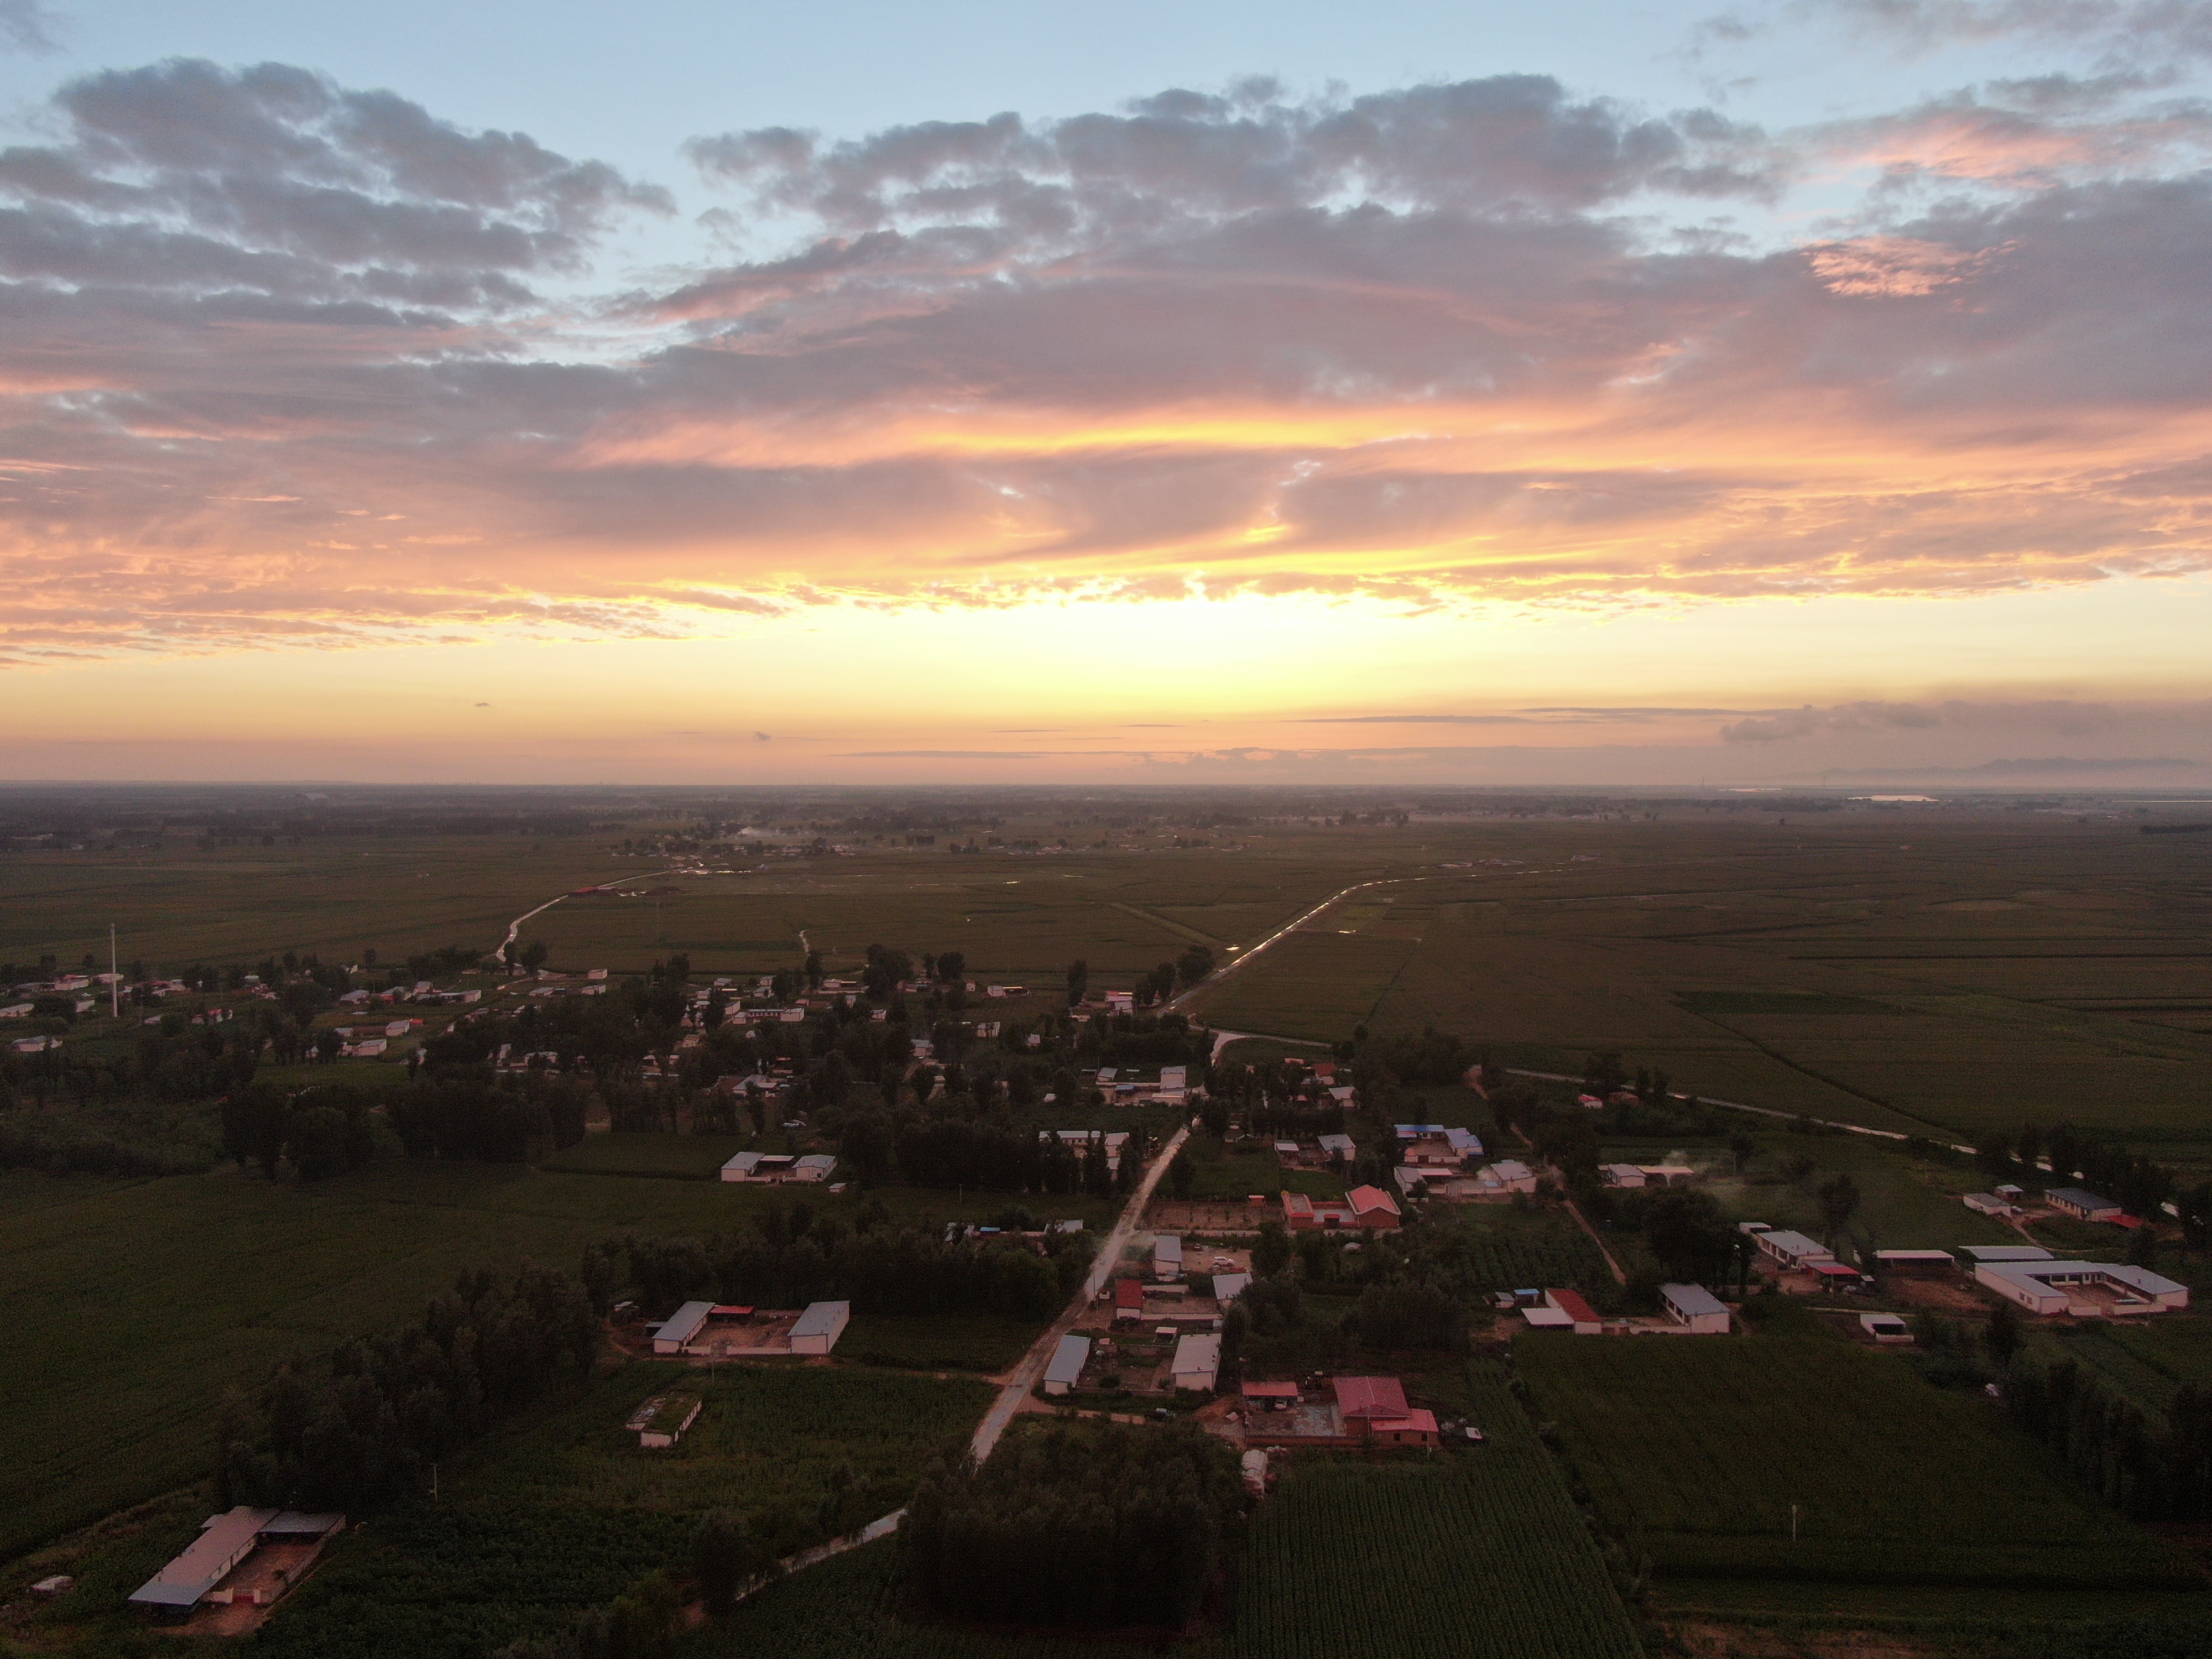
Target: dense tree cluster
386,1409
787,1259
2149,1466
2138,1184
1089,1528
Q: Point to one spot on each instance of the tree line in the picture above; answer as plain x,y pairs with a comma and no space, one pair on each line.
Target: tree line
372,1422
1095,1529
787,1259
2149,1466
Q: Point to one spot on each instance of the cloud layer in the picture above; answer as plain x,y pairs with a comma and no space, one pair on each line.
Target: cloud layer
288,364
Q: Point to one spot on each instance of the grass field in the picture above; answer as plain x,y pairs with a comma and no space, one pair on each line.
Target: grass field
1909,1203
131,1308
1956,970
1700,1451
1217,1173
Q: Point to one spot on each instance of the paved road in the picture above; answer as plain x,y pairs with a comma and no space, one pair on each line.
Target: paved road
1024,1376
1279,935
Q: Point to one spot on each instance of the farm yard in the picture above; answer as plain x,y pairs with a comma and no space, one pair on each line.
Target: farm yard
1803,1458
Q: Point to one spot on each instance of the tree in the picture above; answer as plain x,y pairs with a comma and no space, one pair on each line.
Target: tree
721,1556
952,966
1180,1175
532,955
1194,964
1079,982
2002,1335
1742,1148
1270,1251
1839,1198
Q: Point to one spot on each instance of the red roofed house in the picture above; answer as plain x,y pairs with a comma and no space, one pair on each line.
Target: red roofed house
1270,1391
1571,1303
1298,1213
1415,1428
1128,1298
1361,1399
1371,1207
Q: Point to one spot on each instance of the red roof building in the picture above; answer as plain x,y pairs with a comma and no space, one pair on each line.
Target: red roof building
1571,1303
1369,1397
1298,1212
1128,1298
1271,1391
1415,1428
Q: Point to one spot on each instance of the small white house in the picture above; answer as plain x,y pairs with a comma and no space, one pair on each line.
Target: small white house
1886,1328
1508,1174
1167,1257
1695,1307
1197,1359
820,1326
1989,1204
1068,1363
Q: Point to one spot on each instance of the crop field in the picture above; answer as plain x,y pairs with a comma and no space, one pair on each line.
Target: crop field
1480,1555
566,1511
2148,1362
1499,1248
132,1307
1808,1458
1950,972
984,1343
696,1157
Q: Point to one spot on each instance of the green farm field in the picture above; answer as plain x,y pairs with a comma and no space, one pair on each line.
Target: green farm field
1948,972
563,1511
1697,1450
133,1307
1477,1555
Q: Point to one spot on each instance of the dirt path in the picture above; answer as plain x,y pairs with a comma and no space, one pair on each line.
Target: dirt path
1023,1376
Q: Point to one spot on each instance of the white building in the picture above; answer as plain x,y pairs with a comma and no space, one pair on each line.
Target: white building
1068,1363
820,1326
1697,1307
1197,1359
1508,1174
1166,1257
678,1329
2099,1287
1790,1249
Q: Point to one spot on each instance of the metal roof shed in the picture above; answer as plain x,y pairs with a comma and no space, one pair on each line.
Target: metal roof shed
819,1327
1068,1363
1197,1359
1698,1307
680,1326
225,1541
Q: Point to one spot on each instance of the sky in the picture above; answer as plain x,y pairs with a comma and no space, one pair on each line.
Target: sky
1400,395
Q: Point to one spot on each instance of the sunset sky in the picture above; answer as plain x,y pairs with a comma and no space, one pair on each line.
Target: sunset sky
1420,393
